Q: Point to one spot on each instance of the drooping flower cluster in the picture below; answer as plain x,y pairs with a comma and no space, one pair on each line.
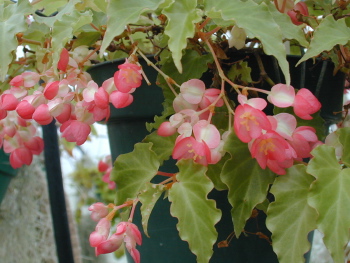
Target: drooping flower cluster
104,242
276,141
198,139
70,97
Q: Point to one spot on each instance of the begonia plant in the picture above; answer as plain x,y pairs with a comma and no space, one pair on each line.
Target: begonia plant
220,133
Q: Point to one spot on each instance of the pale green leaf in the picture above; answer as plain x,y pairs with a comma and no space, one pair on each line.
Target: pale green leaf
330,196
133,170
49,6
259,23
248,183
344,139
289,217
64,29
162,146
329,33
123,12
148,197
67,9
12,21
196,213
182,16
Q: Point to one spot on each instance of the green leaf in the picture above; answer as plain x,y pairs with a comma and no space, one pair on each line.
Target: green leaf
330,196
344,139
123,12
63,30
196,213
12,21
182,16
148,197
162,146
329,33
289,217
240,72
259,23
133,170
248,183
68,9
214,173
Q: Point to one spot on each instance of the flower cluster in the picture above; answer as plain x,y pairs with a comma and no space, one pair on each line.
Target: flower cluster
126,232
70,97
198,139
276,141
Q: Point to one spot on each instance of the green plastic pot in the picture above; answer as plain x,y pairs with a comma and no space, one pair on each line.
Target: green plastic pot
6,174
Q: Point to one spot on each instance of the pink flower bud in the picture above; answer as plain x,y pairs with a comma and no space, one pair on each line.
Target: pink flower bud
306,103
99,210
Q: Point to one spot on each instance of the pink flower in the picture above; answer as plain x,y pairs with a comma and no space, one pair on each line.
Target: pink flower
204,131
8,102
282,95
42,115
64,59
21,156
209,97
75,131
303,139
257,103
306,103
249,122
101,232
51,90
190,148
271,150
99,210
193,90
127,232
120,99
127,77
299,8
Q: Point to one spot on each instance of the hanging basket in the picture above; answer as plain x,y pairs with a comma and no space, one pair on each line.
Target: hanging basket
126,127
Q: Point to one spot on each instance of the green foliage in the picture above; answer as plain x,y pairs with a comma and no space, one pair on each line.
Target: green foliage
133,170
12,21
63,30
123,12
289,217
247,182
329,33
162,146
268,31
240,72
344,138
196,213
148,197
330,196
182,16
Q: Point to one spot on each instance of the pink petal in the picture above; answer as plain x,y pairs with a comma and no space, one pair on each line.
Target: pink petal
42,115
282,95
193,90
207,132
120,99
